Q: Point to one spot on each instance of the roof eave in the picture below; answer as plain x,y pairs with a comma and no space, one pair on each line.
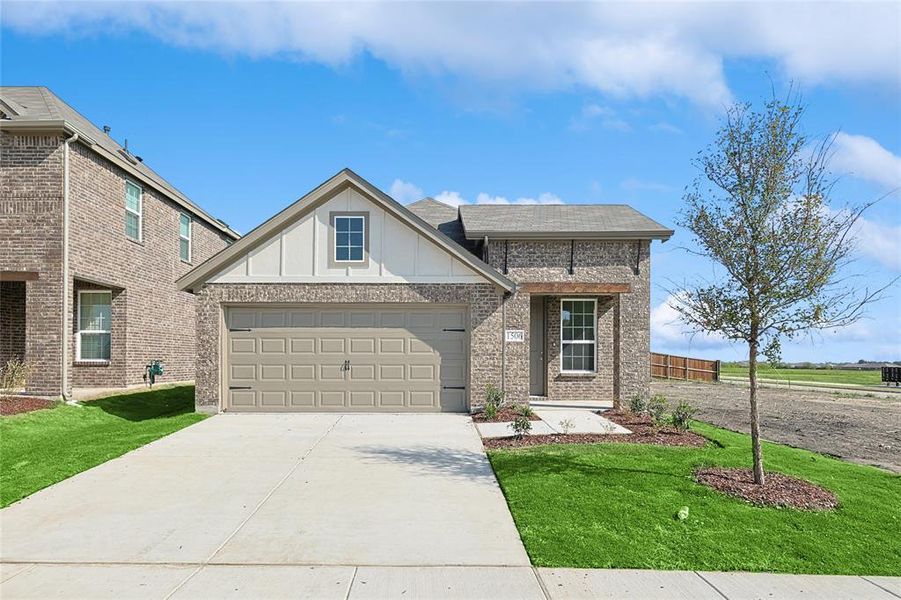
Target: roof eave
61,125
568,235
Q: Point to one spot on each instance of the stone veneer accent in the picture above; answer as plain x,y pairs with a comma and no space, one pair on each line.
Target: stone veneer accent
623,328
152,318
483,300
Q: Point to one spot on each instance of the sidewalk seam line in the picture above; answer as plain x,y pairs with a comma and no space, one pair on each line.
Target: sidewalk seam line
28,569
716,589
184,581
541,584
864,577
350,586
272,491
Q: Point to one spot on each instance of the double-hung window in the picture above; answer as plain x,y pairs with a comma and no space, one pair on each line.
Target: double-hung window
578,319
350,238
133,211
94,319
184,237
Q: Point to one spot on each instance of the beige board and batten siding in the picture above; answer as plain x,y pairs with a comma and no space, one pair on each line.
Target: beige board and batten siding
368,358
397,253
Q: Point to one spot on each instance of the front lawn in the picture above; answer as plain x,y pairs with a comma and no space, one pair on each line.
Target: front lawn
615,506
40,448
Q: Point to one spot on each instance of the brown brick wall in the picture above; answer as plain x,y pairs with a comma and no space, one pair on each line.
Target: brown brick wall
623,328
31,192
152,319
483,300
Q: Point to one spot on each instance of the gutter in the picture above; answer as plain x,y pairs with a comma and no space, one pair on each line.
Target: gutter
64,372
570,235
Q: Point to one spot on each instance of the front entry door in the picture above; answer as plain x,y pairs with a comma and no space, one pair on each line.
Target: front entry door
537,364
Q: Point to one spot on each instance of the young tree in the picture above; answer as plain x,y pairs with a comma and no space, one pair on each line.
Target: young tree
760,209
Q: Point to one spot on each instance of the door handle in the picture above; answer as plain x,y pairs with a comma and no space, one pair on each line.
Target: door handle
346,365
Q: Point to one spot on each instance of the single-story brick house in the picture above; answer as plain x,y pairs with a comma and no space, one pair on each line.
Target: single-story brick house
349,301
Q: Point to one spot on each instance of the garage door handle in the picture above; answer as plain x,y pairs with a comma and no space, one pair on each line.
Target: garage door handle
453,329
240,329
239,387
453,387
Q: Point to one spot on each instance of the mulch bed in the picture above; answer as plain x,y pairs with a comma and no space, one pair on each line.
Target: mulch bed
506,413
13,405
643,432
779,490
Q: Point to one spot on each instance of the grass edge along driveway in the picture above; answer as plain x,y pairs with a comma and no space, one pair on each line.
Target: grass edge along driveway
614,506
43,447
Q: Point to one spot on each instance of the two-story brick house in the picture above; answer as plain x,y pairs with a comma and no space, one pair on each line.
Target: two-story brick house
91,243
347,300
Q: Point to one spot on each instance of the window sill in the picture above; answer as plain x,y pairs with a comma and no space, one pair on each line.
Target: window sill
187,262
577,374
91,363
134,241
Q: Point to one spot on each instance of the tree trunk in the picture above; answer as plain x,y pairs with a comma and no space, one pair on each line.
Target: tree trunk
755,418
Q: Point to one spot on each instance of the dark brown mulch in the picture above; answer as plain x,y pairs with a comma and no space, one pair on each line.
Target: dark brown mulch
779,490
505,413
13,405
643,432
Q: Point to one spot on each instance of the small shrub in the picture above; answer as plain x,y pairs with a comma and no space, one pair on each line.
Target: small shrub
638,404
608,426
524,410
490,411
657,408
682,415
521,425
567,425
14,375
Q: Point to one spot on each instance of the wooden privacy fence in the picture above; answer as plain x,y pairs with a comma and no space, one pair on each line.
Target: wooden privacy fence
668,366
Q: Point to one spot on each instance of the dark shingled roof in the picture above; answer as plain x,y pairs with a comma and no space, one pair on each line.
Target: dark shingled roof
36,103
442,217
612,221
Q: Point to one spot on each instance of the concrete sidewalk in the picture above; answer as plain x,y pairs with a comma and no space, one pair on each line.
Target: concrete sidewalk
343,582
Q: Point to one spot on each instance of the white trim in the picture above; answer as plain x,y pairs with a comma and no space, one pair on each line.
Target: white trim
189,238
362,218
140,211
79,330
594,342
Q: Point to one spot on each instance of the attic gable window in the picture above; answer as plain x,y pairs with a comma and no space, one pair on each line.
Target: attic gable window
350,238
134,211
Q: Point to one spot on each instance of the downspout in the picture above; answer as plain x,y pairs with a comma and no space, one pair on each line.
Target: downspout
65,320
504,341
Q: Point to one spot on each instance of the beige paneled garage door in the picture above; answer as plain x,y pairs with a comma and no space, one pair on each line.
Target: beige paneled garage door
337,358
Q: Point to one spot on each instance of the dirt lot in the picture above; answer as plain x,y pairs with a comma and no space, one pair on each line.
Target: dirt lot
859,429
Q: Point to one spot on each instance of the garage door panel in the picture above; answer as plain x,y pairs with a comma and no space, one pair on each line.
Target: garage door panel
398,358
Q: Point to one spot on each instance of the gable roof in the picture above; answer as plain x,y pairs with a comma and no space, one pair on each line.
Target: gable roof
441,216
37,108
343,179
559,221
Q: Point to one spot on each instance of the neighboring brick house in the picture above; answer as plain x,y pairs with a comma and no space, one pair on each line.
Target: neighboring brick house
91,243
347,300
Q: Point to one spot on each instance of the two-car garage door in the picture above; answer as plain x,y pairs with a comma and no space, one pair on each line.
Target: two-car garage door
389,358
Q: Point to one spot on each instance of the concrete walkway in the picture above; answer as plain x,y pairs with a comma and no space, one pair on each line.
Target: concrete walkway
159,581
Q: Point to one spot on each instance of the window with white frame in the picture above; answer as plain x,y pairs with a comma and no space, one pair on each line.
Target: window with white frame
94,319
350,238
184,237
578,319
133,211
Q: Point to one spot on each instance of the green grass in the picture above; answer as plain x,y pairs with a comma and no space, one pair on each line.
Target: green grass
40,448
846,376
614,506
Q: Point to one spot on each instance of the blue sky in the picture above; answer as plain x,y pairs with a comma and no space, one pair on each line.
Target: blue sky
245,107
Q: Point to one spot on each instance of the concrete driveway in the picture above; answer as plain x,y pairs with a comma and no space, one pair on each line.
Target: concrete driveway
325,490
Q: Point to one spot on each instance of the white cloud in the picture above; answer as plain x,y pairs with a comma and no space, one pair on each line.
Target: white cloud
405,192
865,158
664,127
668,330
879,242
451,198
617,48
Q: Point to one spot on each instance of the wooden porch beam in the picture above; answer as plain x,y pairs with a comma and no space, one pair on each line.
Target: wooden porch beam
18,275
561,287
